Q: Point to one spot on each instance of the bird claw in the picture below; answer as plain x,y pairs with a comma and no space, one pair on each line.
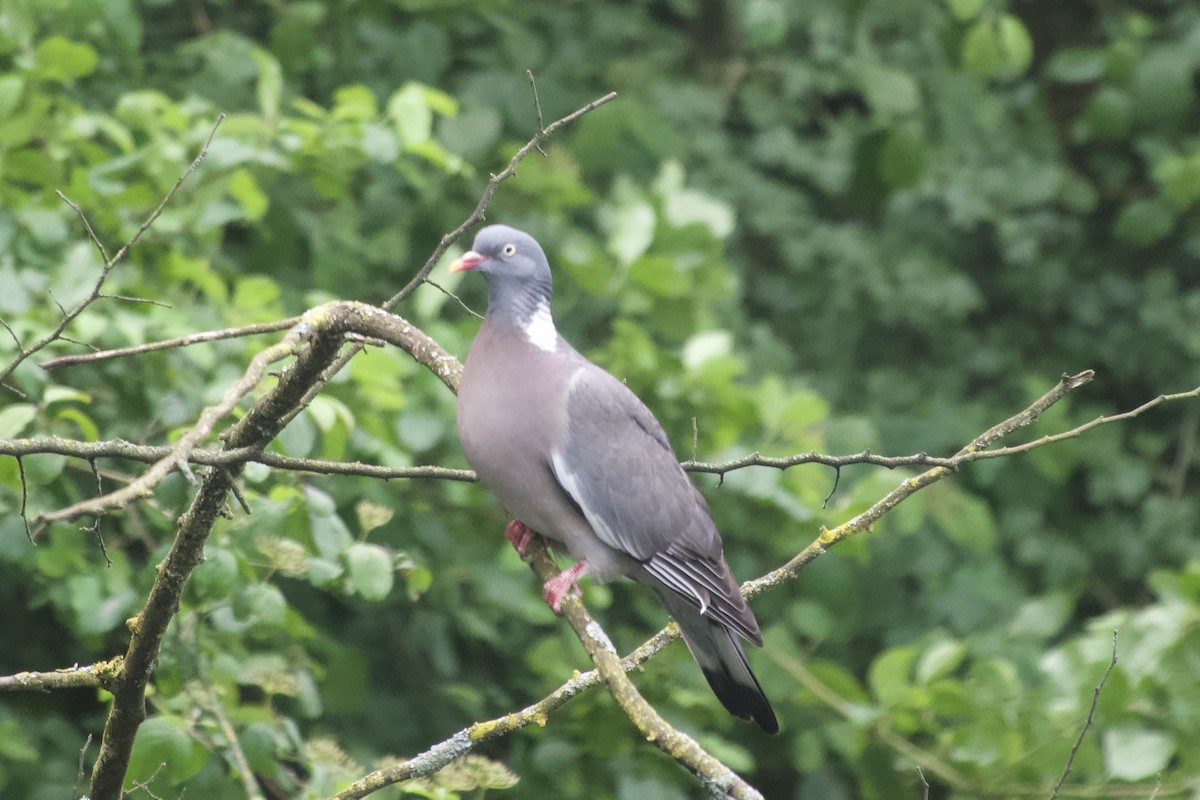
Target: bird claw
518,534
565,582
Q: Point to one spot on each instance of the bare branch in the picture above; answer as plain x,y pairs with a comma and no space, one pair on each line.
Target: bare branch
166,344
69,316
199,159
256,429
465,740
87,225
1088,723
148,454
129,299
490,189
207,699
910,486
681,747
537,105
80,771
24,498
144,485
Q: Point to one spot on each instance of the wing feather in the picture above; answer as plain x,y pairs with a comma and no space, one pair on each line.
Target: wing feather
616,464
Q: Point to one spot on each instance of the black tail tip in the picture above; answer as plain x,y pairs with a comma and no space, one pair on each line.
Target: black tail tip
743,699
765,717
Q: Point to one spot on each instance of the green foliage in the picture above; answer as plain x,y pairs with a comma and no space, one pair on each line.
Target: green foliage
880,225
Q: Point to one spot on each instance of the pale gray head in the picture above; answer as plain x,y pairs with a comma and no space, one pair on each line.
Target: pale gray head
517,271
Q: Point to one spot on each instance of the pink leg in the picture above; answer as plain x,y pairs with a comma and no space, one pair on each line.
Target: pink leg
519,534
555,589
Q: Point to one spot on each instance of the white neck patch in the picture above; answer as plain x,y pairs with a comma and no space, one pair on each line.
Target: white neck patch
540,329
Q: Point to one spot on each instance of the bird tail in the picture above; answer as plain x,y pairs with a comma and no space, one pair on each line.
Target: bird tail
719,653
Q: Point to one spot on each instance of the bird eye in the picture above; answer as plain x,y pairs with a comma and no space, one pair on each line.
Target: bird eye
509,249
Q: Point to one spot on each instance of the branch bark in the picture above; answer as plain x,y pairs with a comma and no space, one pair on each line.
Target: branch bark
323,329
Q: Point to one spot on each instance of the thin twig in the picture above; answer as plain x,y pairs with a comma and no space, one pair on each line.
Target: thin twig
465,740
80,773
207,698
129,299
454,297
1087,723
87,225
181,341
143,486
148,454
24,498
166,199
109,263
95,526
486,198
537,105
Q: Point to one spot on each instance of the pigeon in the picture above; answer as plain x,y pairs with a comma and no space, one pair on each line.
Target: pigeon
574,455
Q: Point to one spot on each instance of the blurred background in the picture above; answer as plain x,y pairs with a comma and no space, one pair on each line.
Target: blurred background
880,224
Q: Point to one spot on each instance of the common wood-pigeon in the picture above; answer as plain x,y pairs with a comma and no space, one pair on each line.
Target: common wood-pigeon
573,454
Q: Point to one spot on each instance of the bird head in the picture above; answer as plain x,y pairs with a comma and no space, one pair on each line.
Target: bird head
501,252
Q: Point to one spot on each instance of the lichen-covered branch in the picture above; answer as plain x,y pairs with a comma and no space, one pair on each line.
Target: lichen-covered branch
101,675
256,429
720,779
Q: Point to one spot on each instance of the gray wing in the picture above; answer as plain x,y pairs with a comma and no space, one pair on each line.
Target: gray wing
616,464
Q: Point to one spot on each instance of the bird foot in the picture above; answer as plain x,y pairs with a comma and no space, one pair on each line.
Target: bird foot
565,582
518,534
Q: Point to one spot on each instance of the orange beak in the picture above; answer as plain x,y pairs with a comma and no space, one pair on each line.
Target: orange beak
468,260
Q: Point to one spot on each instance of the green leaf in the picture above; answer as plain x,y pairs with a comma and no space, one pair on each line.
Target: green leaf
1162,85
88,431
261,605
1179,177
683,206
1134,754
1109,116
60,59
1043,616
411,115
215,576
963,517
244,188
1145,222
14,419
630,222
270,83
939,660
164,751
965,10
705,346
891,674
11,87
255,292
372,515
902,158
330,535
354,103
370,570
999,49
891,92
